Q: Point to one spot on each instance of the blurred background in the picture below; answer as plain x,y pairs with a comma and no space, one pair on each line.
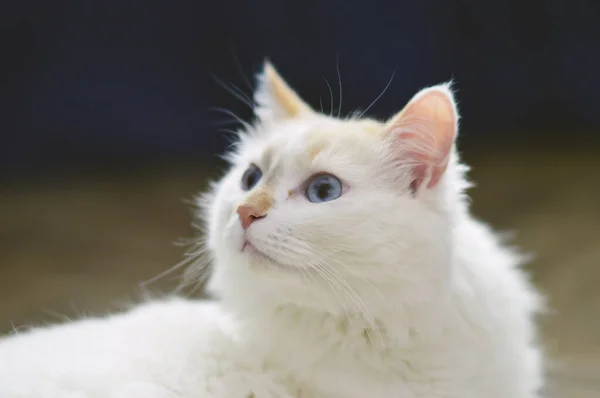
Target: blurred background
110,123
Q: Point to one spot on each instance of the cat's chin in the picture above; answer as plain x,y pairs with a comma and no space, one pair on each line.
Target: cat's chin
259,259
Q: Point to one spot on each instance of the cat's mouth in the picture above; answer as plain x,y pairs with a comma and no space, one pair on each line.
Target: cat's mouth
251,250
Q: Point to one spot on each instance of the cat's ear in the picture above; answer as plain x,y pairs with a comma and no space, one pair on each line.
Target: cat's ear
275,100
422,135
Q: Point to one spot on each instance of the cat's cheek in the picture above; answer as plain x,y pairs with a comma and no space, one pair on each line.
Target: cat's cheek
233,234
221,222
224,217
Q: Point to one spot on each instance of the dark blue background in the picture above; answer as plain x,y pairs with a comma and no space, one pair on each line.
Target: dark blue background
104,80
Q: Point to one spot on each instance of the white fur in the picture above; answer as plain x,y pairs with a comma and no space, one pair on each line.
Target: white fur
379,293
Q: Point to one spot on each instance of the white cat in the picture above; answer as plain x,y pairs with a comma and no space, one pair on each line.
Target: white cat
346,265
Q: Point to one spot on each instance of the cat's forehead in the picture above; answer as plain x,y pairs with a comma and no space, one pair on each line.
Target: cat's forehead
307,139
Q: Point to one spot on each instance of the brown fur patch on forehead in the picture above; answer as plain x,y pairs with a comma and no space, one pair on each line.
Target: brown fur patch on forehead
352,132
315,148
319,141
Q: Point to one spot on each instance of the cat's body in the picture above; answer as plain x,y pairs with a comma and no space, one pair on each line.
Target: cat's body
347,266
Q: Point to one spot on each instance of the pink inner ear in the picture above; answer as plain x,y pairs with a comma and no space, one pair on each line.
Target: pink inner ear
424,133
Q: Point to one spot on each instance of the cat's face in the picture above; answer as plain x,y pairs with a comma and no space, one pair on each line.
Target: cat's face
327,212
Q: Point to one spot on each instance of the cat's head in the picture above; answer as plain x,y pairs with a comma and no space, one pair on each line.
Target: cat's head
337,213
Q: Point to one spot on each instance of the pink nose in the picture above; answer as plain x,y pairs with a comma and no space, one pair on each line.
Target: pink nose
248,214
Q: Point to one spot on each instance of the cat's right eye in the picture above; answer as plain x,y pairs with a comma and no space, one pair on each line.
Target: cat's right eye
251,177
324,188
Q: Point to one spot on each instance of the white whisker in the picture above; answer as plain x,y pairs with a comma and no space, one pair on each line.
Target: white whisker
337,66
330,97
319,290
364,280
336,289
236,92
369,317
379,96
168,271
238,119
363,312
238,64
338,283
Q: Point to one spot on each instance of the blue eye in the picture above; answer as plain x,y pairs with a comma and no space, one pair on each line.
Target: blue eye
251,177
323,188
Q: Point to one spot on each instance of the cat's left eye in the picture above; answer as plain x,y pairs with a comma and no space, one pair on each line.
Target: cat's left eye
251,177
324,188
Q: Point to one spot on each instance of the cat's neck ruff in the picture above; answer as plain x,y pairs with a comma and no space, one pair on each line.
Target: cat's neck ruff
392,323
311,346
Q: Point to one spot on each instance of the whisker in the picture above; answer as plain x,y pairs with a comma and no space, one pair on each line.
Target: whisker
307,275
358,303
330,97
196,277
241,70
370,318
190,258
332,272
337,281
229,131
365,281
339,284
246,125
335,288
239,95
379,96
337,66
331,257
243,94
225,123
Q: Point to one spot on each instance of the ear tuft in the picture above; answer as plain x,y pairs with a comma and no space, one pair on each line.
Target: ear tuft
274,97
422,135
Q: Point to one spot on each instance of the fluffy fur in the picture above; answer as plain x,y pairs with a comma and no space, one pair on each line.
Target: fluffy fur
392,290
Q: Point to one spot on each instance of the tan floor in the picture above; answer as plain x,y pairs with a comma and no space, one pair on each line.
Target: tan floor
81,245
